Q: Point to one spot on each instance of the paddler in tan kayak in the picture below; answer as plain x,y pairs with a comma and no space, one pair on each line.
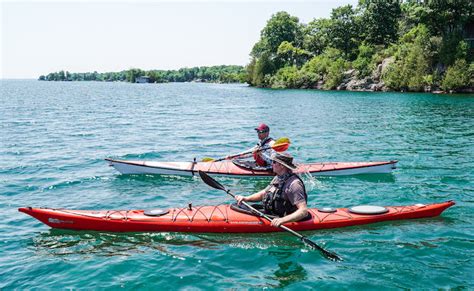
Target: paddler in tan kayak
261,152
263,157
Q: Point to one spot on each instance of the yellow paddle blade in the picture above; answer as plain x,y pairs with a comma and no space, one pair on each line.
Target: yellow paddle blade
208,159
282,140
281,147
281,144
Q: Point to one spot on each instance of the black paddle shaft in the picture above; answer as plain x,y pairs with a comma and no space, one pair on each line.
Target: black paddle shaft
242,154
214,184
279,142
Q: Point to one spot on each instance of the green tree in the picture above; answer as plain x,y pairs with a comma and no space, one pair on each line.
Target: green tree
279,28
250,68
335,74
286,77
320,64
448,16
413,61
457,76
316,35
61,76
364,63
344,31
380,20
263,67
291,55
328,66
132,74
413,13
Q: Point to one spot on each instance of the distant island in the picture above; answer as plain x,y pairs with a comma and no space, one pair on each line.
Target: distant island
215,74
390,45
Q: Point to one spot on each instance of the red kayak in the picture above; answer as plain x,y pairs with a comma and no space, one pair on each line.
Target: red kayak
222,218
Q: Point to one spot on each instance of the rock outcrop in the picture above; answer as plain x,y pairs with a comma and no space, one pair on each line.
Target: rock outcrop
372,83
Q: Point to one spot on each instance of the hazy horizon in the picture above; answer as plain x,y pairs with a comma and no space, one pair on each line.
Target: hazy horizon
43,37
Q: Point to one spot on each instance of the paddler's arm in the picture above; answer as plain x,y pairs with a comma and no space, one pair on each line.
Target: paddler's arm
299,214
251,198
244,154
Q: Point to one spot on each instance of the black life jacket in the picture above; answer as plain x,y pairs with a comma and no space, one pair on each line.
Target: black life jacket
262,143
275,201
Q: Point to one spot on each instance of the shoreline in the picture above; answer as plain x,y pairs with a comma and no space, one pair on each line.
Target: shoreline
467,91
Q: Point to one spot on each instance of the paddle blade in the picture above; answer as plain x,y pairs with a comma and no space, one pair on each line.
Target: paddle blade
329,255
281,147
282,140
281,144
210,181
206,160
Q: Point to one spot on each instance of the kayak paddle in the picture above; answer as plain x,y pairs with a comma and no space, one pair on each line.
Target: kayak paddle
280,145
214,184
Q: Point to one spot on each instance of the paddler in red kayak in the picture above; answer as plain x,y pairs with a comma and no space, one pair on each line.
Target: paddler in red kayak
285,196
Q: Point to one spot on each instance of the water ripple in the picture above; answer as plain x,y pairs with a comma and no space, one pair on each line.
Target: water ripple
55,135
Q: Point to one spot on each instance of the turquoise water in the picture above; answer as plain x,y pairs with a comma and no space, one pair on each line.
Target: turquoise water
54,136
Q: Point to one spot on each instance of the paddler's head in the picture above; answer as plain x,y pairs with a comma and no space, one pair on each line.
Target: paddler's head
282,163
263,131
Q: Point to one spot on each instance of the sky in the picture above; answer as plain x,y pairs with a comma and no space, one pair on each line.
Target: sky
40,37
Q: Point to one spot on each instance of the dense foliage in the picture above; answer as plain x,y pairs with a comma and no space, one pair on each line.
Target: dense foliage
220,74
403,45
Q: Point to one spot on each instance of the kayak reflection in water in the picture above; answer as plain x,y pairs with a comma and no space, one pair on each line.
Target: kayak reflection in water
285,196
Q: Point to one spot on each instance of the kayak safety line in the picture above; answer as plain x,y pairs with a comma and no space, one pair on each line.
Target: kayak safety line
106,215
197,210
112,212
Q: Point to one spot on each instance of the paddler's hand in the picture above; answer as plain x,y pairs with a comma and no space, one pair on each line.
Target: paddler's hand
276,222
240,199
256,148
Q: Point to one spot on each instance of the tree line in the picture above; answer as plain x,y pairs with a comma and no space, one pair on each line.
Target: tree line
410,45
219,74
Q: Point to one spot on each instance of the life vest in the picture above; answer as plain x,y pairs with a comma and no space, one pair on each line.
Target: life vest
257,155
275,201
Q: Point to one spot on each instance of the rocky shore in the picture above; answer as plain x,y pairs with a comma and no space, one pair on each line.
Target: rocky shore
375,83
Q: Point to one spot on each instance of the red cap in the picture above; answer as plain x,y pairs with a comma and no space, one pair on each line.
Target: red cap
262,127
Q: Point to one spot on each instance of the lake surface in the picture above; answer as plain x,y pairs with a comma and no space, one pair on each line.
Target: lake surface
54,137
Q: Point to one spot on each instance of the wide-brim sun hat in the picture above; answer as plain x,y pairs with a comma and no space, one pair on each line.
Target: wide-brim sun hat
284,159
